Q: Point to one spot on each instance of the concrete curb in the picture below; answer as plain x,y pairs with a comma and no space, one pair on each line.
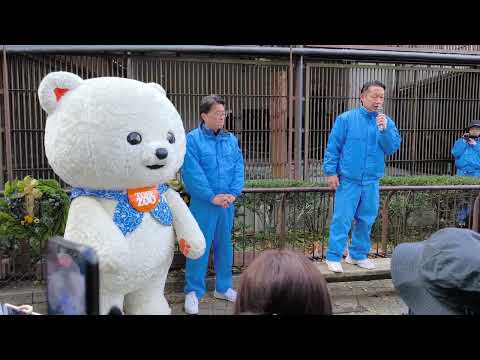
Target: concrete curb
351,273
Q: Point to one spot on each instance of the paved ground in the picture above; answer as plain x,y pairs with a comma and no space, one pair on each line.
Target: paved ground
371,294
374,297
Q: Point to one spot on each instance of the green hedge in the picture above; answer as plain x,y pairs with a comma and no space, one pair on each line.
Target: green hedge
429,180
412,215
281,183
386,181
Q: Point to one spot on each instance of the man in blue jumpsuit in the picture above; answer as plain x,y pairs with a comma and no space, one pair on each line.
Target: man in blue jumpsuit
466,152
353,164
213,173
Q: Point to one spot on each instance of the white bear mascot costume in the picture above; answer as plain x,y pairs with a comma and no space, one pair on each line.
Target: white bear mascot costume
117,142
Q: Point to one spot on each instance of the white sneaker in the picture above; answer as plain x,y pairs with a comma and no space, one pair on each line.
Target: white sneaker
334,266
229,295
191,303
364,264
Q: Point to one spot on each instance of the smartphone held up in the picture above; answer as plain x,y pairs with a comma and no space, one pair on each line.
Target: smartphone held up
72,278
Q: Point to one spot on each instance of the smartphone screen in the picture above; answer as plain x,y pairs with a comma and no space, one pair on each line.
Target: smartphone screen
72,278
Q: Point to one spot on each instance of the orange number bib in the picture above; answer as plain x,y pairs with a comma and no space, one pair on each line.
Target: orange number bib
144,199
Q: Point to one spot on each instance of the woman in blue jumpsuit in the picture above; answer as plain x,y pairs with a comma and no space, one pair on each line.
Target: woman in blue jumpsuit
213,174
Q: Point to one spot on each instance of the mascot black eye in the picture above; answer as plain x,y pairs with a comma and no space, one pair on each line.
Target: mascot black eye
134,138
170,137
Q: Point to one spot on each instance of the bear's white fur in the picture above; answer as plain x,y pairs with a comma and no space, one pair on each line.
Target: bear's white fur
86,145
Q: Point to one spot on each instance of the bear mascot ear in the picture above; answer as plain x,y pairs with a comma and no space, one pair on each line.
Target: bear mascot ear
158,87
54,86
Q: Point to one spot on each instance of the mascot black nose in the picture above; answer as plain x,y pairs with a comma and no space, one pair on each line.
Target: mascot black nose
161,153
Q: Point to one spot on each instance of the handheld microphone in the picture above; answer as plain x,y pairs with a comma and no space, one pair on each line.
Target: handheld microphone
380,112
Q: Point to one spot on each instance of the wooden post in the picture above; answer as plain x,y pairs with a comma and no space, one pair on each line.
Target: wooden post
24,258
476,214
385,208
278,124
7,119
282,222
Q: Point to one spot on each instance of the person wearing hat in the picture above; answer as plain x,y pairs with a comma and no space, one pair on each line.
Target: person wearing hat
466,152
439,276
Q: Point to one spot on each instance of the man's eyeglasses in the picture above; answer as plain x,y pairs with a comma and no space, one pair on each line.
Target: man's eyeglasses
219,114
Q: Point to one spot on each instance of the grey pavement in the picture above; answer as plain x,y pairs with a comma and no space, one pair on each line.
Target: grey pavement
373,297
355,292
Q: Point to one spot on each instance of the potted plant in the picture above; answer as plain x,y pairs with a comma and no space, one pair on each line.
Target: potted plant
30,213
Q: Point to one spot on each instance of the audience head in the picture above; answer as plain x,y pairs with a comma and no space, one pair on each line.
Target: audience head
440,276
282,282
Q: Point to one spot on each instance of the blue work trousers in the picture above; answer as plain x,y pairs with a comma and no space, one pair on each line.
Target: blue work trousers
353,201
216,224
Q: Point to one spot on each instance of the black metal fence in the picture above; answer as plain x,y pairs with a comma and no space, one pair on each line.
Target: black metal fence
431,105
299,218
256,93
281,109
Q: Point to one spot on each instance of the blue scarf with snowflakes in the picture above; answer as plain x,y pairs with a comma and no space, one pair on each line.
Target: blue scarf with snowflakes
125,216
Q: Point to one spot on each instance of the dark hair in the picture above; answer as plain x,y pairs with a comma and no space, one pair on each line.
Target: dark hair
208,101
368,84
284,283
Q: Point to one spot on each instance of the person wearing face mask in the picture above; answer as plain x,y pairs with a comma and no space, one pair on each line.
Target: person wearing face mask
213,173
466,152
353,164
